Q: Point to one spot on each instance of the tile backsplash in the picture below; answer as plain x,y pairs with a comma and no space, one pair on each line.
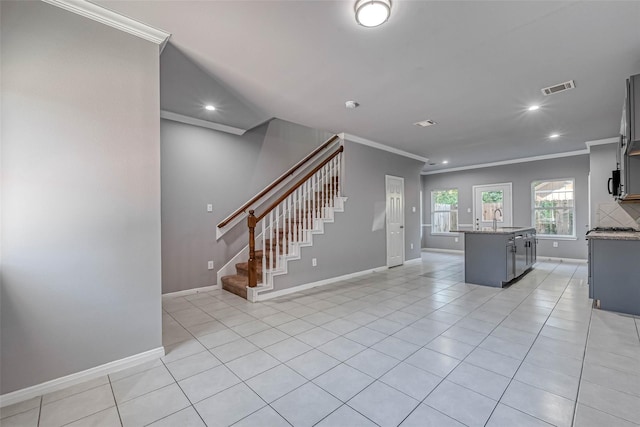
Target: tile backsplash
613,214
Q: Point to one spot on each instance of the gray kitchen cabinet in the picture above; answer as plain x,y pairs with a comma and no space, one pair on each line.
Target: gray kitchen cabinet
614,274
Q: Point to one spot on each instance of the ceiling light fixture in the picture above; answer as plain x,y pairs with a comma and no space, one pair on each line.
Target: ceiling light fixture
554,135
444,162
371,13
534,108
210,107
351,104
425,123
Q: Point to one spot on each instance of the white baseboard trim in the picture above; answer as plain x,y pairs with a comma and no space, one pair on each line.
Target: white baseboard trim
413,261
445,251
275,294
551,258
192,291
79,377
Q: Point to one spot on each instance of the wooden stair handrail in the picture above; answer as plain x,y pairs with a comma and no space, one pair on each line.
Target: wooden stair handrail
273,185
253,220
299,184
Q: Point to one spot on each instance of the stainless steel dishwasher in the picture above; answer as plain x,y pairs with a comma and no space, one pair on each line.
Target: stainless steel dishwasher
521,255
511,260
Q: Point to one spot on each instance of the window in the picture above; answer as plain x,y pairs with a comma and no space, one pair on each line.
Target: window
444,210
554,208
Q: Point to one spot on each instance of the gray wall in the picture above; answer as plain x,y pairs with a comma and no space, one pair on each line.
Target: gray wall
349,245
521,175
80,196
202,166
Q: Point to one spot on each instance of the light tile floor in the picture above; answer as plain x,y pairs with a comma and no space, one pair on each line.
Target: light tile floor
411,346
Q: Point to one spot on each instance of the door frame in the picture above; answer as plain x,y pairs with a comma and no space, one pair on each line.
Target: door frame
474,204
386,229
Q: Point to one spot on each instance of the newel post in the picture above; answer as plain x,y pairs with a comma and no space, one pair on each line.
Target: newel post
253,279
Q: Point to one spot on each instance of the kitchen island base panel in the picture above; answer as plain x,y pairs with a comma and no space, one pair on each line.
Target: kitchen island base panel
498,258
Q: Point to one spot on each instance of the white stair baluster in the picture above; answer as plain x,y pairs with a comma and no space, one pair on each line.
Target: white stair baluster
290,229
323,187
271,242
277,232
313,201
339,174
264,253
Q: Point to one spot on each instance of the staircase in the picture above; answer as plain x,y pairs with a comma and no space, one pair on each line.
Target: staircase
286,226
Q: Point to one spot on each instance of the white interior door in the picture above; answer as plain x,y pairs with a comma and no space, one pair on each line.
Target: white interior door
492,201
395,220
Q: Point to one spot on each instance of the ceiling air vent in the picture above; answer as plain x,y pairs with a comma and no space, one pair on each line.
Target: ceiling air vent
559,88
425,123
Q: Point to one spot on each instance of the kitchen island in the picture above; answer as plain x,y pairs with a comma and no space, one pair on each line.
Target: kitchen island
614,270
497,256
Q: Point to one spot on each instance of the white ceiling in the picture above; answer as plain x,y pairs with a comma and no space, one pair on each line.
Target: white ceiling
472,66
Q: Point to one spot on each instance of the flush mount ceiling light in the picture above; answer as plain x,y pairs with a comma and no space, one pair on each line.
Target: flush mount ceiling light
351,104
533,108
554,135
371,13
425,123
444,162
210,107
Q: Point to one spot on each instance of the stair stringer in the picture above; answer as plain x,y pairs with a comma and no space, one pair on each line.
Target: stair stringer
295,248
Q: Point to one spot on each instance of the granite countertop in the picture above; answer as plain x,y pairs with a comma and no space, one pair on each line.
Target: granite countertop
614,235
491,230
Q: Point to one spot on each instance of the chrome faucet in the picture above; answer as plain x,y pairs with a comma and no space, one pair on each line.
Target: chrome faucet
495,218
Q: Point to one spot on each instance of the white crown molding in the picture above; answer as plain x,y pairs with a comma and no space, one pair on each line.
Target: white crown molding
383,147
613,140
199,122
79,377
510,162
113,19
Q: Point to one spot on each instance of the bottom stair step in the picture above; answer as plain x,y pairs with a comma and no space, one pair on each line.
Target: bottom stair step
236,284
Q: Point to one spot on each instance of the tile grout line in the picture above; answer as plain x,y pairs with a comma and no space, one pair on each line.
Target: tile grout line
584,356
40,410
185,395
114,400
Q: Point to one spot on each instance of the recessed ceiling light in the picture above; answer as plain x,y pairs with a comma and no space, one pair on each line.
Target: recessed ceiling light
444,162
425,123
554,135
371,13
210,107
534,108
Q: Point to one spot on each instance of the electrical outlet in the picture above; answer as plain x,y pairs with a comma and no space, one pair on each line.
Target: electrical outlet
210,265
314,262
412,246
555,244
456,240
209,207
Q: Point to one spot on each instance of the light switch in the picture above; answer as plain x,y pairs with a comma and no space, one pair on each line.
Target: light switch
413,209
468,210
209,207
